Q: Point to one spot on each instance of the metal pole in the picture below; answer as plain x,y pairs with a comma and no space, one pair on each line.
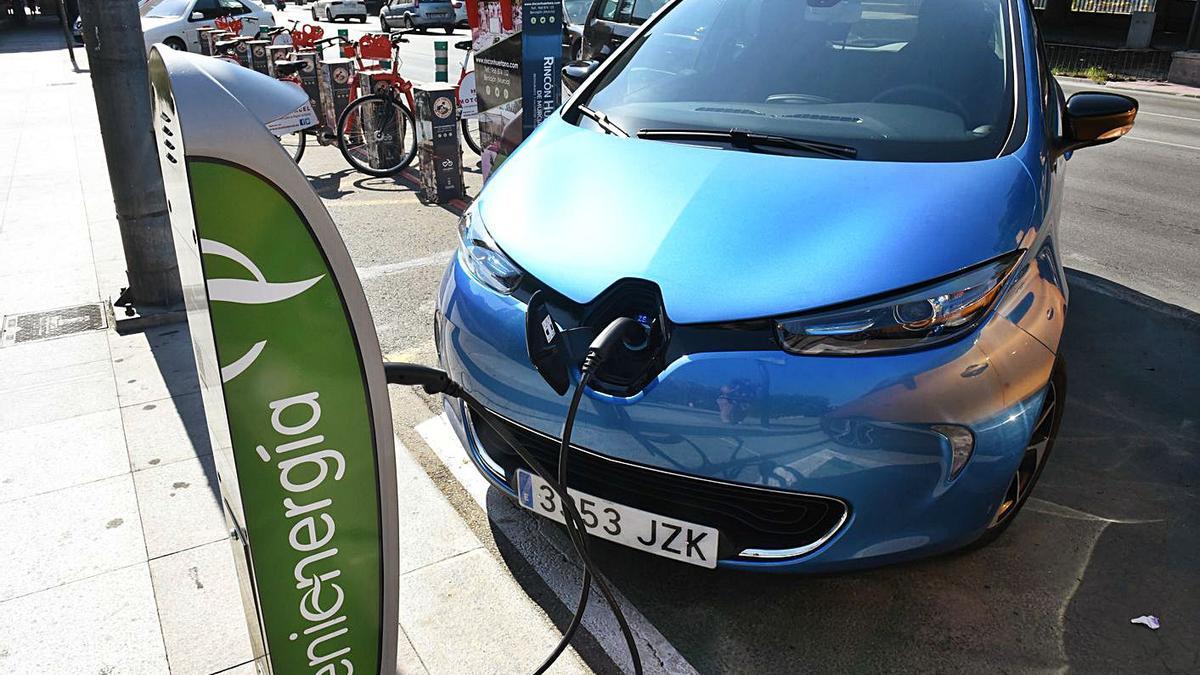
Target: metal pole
112,34
1193,39
66,29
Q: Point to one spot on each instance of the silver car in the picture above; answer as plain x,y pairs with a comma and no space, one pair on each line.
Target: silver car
409,15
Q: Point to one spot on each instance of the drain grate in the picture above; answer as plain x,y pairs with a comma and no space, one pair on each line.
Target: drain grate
19,328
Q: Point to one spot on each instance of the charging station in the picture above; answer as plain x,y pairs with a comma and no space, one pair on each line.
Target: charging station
290,369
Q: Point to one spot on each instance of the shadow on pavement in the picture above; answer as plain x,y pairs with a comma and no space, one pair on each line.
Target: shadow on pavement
171,346
329,185
1110,533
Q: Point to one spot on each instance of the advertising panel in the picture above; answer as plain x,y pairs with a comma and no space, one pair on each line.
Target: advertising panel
518,54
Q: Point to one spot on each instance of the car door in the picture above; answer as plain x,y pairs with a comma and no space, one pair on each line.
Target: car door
612,22
208,10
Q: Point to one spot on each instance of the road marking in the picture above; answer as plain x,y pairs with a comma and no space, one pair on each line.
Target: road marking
376,271
1174,117
521,528
1173,145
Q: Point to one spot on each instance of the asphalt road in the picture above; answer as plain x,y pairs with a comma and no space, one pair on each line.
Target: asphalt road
1112,532
1132,213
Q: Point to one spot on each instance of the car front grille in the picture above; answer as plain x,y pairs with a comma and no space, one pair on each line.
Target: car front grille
755,522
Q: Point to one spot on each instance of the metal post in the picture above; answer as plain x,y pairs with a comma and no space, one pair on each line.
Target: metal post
1193,39
441,58
112,34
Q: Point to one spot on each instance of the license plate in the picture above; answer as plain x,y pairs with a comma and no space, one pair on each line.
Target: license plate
635,528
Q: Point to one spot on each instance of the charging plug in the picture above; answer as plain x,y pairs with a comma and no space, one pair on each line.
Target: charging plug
432,380
623,332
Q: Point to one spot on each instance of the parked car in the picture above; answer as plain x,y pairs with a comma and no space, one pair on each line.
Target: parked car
845,266
595,28
175,22
418,15
332,10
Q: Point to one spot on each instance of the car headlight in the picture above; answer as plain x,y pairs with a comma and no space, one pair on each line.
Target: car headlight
483,258
930,315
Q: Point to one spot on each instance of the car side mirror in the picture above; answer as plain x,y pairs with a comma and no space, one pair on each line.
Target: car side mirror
196,16
1096,118
575,72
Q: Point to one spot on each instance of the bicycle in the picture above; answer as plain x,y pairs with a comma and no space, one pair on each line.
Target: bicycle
297,37
468,103
377,132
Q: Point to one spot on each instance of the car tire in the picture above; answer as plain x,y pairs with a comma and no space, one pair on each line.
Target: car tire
362,19
176,44
1045,430
313,10
449,30
383,24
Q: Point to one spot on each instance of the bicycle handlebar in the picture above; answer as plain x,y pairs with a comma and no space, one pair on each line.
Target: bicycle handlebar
334,38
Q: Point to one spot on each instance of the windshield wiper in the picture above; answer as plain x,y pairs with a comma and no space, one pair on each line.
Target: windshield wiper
603,121
749,140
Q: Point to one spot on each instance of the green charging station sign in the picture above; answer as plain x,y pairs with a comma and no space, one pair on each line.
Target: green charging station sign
290,373
301,436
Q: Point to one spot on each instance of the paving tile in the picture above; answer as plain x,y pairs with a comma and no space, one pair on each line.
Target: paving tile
60,454
56,393
426,516
153,365
240,669
448,598
407,661
47,289
180,507
164,431
35,357
200,607
70,534
105,624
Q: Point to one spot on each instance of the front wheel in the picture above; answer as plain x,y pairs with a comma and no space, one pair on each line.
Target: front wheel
471,134
294,144
313,10
376,135
449,31
1033,460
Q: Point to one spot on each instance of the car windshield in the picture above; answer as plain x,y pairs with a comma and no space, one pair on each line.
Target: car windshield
894,80
576,10
169,9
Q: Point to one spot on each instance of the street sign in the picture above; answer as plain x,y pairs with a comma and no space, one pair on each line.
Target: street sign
290,370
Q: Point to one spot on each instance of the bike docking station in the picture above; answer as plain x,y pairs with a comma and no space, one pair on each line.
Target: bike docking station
291,373
335,80
293,381
439,147
518,64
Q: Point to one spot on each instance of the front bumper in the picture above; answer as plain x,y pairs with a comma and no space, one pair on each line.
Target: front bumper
853,430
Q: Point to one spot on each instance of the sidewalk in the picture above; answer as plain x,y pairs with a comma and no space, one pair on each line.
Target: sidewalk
1139,86
116,557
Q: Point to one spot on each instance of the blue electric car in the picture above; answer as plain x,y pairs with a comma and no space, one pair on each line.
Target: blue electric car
836,221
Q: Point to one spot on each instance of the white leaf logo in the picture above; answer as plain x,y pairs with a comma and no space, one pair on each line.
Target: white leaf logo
258,291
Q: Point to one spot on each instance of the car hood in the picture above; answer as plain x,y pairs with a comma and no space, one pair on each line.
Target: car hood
731,235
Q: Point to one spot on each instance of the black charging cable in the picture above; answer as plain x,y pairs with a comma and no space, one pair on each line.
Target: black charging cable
621,332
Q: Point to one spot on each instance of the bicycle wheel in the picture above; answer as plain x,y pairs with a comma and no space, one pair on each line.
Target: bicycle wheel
472,134
376,135
294,144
